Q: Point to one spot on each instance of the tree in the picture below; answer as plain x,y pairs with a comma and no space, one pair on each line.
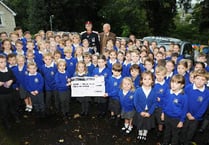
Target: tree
160,14
126,17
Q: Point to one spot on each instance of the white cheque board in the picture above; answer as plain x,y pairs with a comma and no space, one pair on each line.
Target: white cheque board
87,86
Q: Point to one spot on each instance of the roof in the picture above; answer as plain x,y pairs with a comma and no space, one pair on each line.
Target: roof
11,11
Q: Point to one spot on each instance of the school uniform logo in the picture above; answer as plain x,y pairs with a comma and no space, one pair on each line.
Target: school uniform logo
161,91
105,74
131,97
115,84
52,73
175,101
200,99
71,64
36,80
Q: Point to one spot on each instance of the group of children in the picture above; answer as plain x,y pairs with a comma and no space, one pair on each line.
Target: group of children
145,86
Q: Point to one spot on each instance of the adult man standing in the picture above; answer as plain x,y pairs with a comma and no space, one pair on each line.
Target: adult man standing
91,36
105,36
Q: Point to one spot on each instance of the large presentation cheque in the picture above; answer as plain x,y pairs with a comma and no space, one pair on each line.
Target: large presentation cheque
87,86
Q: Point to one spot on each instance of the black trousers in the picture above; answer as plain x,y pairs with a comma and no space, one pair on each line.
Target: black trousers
188,131
7,106
171,133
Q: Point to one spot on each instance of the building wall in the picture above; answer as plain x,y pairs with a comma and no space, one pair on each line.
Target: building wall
7,20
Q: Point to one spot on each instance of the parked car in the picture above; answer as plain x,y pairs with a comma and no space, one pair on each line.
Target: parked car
186,47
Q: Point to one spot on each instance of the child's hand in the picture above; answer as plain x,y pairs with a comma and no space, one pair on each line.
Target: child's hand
1,83
158,99
36,92
8,83
33,93
180,125
106,95
68,80
68,84
162,117
190,117
17,89
147,114
143,114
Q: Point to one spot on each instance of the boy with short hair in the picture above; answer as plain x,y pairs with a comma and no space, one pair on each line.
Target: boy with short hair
112,91
160,87
198,97
48,71
34,88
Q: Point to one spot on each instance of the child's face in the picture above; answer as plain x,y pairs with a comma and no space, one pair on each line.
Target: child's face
87,60
68,54
79,51
32,69
198,67
30,56
134,72
14,37
200,81
134,57
101,63
94,60
148,65
7,45
85,44
169,66
61,66
81,68
120,57
181,69
2,63
30,46
12,61
191,78
201,59
19,46
175,86
68,43
21,61
160,76
159,56
128,57
113,55
116,73
48,60
147,80
126,85
57,56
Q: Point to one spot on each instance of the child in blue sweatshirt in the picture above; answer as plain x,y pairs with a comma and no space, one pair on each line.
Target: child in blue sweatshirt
198,97
160,87
126,95
34,87
174,110
112,91
48,71
102,70
145,103
62,81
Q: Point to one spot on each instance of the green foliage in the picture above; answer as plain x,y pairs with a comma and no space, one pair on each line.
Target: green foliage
139,17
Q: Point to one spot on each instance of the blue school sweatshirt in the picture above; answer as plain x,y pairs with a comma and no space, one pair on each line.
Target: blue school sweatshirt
71,66
126,101
34,82
197,101
175,106
48,73
61,81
